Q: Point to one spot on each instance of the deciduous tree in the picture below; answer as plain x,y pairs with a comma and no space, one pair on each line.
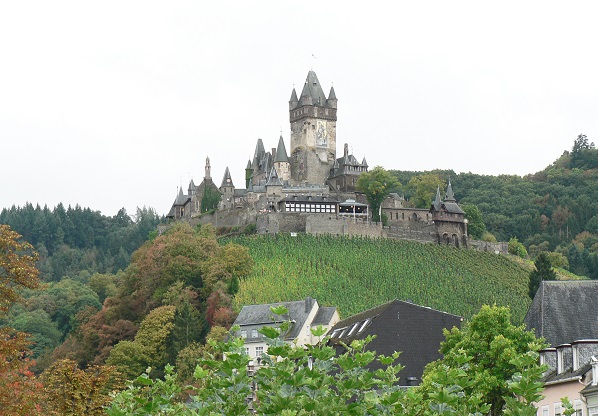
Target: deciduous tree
543,271
376,185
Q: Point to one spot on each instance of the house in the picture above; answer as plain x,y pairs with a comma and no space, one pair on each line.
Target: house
573,373
416,331
564,310
303,315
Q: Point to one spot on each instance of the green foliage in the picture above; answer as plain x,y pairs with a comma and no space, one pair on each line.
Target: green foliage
422,189
356,273
294,381
516,248
210,199
543,271
475,225
250,228
489,237
376,185
490,366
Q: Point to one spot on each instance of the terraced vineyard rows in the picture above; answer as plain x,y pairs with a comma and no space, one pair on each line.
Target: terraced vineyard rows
356,274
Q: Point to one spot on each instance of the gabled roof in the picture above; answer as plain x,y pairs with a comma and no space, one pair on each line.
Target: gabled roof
564,310
416,331
227,180
281,151
261,315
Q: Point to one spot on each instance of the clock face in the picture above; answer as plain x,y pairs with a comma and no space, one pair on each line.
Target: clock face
321,134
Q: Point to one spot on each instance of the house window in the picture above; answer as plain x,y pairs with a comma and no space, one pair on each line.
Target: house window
578,407
259,351
545,410
247,350
243,333
254,333
557,409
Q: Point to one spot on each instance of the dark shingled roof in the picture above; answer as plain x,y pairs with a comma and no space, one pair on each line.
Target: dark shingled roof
324,315
414,330
281,152
313,89
225,177
294,98
564,310
332,95
553,378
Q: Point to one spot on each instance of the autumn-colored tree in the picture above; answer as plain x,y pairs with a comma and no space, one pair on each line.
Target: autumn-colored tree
73,391
19,390
17,267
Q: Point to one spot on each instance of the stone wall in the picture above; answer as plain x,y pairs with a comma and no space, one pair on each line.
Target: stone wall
414,231
499,247
347,226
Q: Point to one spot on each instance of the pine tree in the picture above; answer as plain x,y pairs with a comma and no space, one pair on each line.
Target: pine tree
543,271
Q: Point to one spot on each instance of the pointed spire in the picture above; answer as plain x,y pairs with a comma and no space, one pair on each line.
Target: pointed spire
259,149
248,164
281,152
450,196
273,179
437,202
331,95
294,98
227,180
312,93
364,162
181,199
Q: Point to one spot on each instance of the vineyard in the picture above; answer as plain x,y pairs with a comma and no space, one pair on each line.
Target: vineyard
355,274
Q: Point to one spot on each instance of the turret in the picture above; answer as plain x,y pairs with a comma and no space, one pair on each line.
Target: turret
227,189
450,196
281,161
294,101
207,176
331,101
248,174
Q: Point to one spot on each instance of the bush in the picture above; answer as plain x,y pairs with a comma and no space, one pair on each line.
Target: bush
516,248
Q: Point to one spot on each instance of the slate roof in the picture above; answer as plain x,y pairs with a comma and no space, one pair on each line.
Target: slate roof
281,151
554,378
564,310
332,94
224,179
414,330
324,315
313,89
261,315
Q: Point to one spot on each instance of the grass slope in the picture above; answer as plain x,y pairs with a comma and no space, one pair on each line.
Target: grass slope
355,274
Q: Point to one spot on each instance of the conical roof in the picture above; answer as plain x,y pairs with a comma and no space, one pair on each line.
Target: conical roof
181,198
437,202
364,163
332,95
313,89
281,152
294,98
259,149
227,180
248,164
450,196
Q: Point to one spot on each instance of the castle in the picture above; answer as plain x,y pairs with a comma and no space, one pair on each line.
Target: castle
310,189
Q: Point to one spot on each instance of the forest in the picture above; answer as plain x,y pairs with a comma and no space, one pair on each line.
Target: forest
555,209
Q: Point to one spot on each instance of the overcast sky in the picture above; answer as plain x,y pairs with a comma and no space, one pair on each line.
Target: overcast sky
115,104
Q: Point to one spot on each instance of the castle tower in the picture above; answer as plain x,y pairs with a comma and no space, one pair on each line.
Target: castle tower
208,168
227,189
248,174
281,161
313,132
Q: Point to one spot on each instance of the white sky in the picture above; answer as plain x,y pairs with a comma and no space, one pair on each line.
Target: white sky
114,104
